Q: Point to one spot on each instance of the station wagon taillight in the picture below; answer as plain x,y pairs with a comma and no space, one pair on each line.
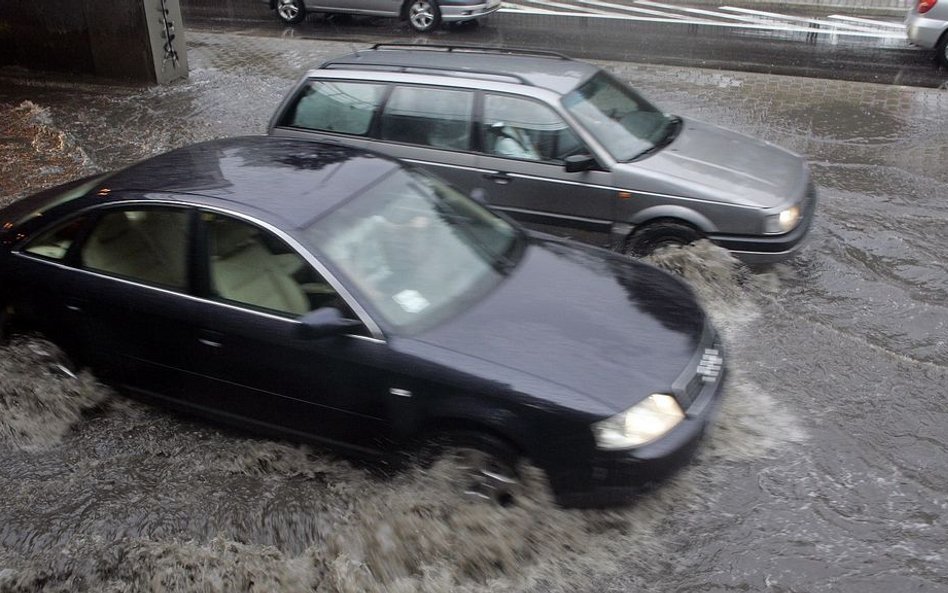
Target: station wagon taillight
924,6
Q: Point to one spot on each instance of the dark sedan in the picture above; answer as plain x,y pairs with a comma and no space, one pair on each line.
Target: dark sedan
328,294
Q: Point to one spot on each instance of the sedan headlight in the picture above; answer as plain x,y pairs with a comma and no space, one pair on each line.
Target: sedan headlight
784,222
640,424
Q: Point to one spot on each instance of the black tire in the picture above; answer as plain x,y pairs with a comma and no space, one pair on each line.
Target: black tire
5,324
290,12
666,233
486,465
941,50
423,15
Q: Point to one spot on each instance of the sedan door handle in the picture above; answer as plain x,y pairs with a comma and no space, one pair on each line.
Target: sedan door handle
211,339
74,305
499,177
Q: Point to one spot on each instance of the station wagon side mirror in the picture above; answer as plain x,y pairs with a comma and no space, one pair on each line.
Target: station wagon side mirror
325,322
580,162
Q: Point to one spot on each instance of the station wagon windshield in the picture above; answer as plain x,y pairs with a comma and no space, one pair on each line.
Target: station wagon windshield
416,249
624,123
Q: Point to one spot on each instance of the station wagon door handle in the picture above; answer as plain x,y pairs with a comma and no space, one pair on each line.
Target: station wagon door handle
499,177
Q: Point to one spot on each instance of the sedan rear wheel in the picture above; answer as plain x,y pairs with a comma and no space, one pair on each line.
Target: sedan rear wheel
291,11
6,315
423,15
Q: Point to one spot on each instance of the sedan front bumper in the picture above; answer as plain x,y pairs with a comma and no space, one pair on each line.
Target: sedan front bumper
464,11
924,32
616,477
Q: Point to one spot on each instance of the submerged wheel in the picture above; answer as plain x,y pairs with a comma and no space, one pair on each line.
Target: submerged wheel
483,466
650,237
941,50
291,11
423,15
6,315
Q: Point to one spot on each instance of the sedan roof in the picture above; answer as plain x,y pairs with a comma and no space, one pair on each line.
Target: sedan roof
295,180
546,70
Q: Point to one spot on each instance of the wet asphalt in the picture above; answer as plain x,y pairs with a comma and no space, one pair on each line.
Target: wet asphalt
826,470
772,38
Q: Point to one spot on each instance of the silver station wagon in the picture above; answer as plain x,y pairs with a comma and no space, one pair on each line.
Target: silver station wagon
560,145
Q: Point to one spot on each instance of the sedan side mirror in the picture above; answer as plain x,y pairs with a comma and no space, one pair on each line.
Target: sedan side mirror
325,322
580,162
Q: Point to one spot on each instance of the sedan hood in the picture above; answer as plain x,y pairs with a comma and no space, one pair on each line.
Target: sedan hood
604,326
710,162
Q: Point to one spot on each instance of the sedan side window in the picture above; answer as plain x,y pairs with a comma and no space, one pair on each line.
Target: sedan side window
147,245
332,106
55,243
251,266
431,117
526,129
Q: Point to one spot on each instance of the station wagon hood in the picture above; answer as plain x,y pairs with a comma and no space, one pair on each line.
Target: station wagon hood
710,162
603,326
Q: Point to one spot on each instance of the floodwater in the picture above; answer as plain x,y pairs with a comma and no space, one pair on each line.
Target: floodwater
827,469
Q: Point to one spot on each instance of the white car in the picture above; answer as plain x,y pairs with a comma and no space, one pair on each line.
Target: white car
927,24
422,15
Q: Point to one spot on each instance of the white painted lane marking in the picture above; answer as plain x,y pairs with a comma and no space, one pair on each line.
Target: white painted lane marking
867,21
569,7
798,19
750,27
635,9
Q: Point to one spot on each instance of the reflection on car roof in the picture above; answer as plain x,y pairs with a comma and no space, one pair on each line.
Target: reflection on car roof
293,179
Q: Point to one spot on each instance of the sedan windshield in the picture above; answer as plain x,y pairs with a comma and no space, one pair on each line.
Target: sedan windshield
416,249
625,124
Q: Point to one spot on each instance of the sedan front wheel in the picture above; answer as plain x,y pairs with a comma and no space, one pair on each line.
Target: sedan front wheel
941,50
423,15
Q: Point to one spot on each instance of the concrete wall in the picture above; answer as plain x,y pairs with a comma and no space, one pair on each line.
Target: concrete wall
107,38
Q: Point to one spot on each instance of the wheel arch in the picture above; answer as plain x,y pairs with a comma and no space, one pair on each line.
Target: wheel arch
470,415
673,213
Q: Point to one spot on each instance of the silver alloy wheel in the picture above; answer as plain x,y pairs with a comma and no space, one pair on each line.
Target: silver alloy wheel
288,10
421,15
484,477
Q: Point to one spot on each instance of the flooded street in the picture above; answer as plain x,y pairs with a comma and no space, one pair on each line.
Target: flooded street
827,469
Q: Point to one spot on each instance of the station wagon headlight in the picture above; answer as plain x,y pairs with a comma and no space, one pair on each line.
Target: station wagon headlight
784,222
642,423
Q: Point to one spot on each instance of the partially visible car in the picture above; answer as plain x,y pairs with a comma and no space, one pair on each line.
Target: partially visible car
560,144
328,294
927,26
422,15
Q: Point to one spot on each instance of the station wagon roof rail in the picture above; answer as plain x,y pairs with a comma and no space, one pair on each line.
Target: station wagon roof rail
429,70
472,49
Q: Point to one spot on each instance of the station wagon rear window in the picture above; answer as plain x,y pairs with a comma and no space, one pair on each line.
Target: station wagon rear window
336,106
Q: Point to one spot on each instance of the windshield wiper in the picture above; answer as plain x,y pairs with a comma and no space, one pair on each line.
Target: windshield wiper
671,132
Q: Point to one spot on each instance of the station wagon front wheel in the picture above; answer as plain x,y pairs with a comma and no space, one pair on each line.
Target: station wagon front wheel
291,11
423,15
648,238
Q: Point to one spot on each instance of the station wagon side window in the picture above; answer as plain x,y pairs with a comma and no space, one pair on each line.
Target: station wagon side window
335,106
519,128
148,245
55,243
428,116
249,265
